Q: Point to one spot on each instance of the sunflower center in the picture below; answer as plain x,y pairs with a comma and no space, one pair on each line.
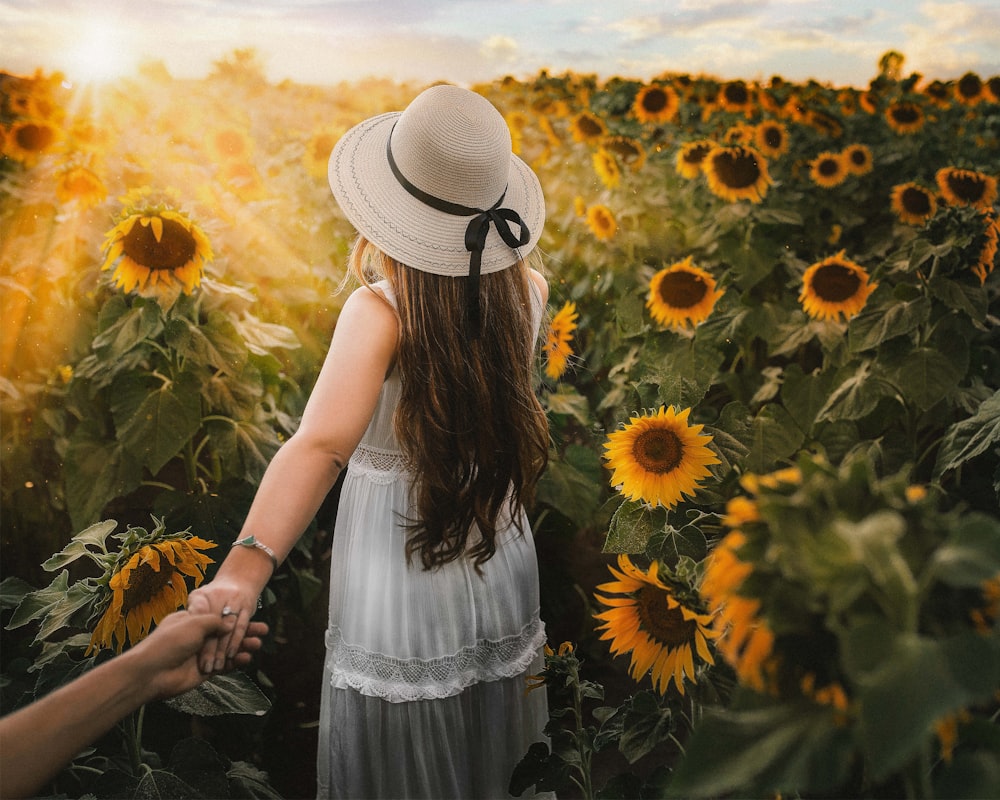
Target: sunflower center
966,187
665,624
737,94
589,126
34,137
916,201
970,86
828,167
682,289
906,114
654,100
737,169
773,137
145,583
696,154
835,283
175,248
858,157
658,450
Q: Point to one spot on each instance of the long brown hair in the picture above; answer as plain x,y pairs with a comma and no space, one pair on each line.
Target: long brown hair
468,421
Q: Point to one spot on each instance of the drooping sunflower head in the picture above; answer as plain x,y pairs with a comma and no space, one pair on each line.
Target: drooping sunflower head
155,247
771,138
938,92
646,617
682,295
828,170
655,103
557,347
988,248
659,458
691,156
913,203
146,584
966,187
737,173
904,117
835,287
601,222
588,128
858,159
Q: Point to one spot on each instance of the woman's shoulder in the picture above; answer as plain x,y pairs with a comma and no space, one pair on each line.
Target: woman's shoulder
540,284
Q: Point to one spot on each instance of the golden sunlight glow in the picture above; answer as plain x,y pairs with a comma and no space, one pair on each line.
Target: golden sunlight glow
98,54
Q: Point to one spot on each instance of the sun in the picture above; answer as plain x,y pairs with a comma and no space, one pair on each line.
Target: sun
99,53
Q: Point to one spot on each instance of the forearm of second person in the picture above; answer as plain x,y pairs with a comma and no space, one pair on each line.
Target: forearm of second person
294,486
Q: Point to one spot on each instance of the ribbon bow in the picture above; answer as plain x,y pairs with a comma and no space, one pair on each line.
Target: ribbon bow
476,233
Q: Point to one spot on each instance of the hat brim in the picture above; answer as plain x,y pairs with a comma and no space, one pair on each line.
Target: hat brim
406,229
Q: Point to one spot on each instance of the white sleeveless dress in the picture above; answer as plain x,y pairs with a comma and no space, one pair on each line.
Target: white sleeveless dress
424,690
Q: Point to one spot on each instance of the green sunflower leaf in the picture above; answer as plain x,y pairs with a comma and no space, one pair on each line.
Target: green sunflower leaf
971,437
234,693
86,543
631,527
97,471
881,322
775,437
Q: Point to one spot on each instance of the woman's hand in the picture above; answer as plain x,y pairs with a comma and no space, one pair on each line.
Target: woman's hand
224,598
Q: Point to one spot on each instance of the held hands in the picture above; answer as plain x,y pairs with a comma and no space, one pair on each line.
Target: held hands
169,657
231,603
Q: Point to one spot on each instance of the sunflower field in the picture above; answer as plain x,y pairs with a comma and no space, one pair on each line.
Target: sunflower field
769,531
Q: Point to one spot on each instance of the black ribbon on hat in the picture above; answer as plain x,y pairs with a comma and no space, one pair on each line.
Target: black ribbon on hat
475,233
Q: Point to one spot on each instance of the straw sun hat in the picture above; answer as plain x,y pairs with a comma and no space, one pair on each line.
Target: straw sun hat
431,184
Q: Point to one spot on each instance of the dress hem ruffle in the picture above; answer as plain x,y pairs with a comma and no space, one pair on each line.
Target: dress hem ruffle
402,680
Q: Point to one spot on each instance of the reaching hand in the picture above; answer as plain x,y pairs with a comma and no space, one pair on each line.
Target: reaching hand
169,657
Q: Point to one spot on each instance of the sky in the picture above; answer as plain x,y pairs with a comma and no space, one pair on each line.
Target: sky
468,41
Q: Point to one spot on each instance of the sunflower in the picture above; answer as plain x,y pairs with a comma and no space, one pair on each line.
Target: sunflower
681,295
735,96
743,638
771,138
737,173
988,253
824,123
658,458
316,157
939,93
833,287
655,104
601,222
913,204
992,87
966,187
244,180
80,184
156,248
626,149
607,168
691,156
588,128
147,587
828,170
29,139
557,344
904,117
969,89
650,622
230,144
857,159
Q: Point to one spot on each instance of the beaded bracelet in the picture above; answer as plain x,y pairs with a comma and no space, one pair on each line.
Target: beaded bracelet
251,541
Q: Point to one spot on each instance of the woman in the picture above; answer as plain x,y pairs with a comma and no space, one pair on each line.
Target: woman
426,398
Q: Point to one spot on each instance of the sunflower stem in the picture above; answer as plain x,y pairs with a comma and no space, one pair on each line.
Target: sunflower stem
190,465
132,743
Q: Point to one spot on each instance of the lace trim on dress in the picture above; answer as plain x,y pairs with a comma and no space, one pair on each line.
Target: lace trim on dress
378,465
401,680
